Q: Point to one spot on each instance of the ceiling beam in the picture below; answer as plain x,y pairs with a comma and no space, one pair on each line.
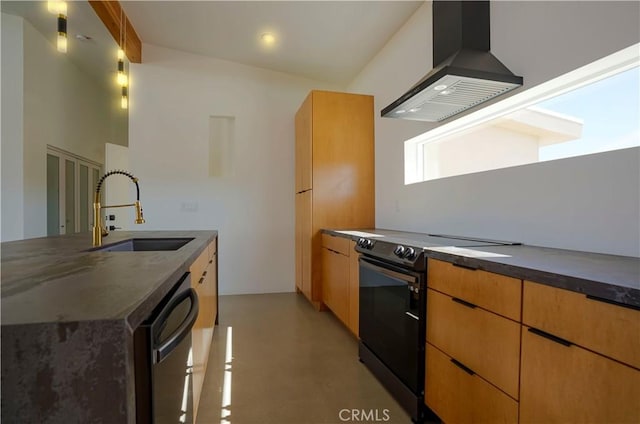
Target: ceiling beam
109,13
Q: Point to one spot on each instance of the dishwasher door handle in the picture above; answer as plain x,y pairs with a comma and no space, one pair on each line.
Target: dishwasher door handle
412,315
174,339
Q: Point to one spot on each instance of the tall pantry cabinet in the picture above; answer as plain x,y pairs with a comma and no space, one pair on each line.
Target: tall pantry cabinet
334,176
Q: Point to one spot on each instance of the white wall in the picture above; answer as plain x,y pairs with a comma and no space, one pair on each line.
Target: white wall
173,96
12,226
63,107
48,100
587,203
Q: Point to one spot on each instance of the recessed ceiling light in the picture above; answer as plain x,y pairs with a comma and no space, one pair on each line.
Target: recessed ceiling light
83,37
440,87
400,111
268,39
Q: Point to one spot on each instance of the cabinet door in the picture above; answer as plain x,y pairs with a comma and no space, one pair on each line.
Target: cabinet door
213,288
354,289
303,145
343,156
199,334
298,241
335,283
303,242
568,384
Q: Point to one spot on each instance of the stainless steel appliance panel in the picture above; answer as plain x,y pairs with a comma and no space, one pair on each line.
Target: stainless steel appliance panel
164,359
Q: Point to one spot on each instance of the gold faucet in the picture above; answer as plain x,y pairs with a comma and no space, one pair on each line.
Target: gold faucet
99,230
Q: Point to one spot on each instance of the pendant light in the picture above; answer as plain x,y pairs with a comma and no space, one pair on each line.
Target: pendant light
124,100
122,78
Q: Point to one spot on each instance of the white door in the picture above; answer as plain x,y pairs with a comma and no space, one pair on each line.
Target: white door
71,182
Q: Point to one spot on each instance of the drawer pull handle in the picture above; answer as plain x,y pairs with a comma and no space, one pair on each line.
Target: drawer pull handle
462,367
201,280
550,337
612,302
464,302
469,267
204,274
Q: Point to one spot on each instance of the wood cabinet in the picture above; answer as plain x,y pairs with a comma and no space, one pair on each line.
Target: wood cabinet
340,279
483,341
562,384
494,292
334,177
572,359
335,283
303,243
457,395
579,359
354,289
204,274
602,327
473,344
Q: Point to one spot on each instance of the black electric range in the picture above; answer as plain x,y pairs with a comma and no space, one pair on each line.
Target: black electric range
393,311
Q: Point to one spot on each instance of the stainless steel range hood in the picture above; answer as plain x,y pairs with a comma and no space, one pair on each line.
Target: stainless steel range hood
465,72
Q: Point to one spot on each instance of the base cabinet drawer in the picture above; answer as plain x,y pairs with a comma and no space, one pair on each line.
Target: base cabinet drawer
458,396
494,292
335,243
568,384
485,342
611,330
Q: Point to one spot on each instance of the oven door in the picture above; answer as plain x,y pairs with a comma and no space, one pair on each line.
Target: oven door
391,326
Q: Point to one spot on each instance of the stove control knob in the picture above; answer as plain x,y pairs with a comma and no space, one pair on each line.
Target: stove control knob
364,243
399,251
410,253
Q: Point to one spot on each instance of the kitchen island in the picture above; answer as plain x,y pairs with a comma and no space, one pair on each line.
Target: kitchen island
68,317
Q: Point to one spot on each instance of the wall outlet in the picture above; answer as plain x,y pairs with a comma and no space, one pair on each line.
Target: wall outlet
189,207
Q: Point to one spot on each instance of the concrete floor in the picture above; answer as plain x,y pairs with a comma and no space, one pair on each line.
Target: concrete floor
290,365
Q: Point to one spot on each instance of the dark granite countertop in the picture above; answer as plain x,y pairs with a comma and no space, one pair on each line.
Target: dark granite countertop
68,317
56,280
609,277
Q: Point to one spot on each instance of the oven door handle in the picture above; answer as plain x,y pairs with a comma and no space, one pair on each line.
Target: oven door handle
174,339
388,272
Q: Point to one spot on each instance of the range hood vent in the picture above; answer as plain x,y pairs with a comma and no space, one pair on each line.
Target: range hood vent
466,73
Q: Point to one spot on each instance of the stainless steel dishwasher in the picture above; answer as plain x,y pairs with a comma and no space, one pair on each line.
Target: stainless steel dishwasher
163,358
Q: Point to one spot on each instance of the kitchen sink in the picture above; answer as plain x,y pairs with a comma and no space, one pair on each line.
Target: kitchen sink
143,245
